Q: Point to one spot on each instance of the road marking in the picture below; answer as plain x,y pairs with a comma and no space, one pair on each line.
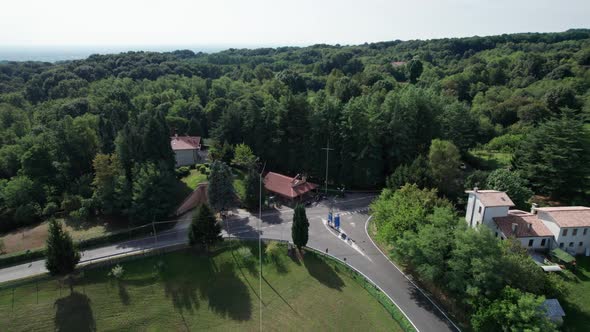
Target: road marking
351,244
406,276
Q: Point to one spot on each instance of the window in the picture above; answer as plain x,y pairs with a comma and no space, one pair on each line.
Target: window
575,232
543,242
479,210
580,244
496,234
585,231
571,244
502,238
531,241
561,244
564,232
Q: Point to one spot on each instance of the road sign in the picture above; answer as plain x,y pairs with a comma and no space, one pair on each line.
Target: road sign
329,217
337,221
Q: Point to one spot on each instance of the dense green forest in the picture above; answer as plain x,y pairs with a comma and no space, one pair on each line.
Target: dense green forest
91,137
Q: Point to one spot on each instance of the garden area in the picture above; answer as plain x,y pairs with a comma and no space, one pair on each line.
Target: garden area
189,290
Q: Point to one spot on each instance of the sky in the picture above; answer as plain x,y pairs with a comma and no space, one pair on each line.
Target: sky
274,22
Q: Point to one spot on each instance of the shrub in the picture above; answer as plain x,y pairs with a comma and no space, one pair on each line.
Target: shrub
71,203
183,171
273,250
50,209
117,272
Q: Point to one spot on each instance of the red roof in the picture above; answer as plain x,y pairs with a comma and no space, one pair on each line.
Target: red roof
492,198
287,186
527,225
185,142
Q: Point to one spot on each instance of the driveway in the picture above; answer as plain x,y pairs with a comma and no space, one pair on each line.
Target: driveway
361,253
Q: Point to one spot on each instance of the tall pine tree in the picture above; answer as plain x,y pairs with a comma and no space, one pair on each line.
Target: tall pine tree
220,189
300,228
62,255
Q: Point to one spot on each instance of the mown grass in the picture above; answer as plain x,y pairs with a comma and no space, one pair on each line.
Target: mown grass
490,160
194,178
193,291
577,302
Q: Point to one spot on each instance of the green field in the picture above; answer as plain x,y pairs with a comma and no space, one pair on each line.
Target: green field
490,160
194,292
577,304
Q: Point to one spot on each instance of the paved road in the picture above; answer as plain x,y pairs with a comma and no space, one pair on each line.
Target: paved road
361,253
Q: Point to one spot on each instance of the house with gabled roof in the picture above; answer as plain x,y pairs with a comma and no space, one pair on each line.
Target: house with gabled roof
288,188
565,227
186,149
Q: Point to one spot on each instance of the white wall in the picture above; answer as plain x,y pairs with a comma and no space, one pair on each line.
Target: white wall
570,237
488,213
469,213
186,157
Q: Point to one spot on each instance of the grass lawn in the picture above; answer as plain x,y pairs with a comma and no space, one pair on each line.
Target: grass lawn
195,292
194,179
491,160
239,183
577,304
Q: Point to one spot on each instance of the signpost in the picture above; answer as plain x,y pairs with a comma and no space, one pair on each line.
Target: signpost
337,221
330,218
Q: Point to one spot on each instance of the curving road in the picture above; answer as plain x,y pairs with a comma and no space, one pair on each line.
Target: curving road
361,253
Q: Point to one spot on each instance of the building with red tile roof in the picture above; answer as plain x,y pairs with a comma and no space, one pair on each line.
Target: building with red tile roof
565,227
186,149
288,187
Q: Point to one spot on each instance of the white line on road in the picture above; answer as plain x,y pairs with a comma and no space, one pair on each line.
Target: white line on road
351,244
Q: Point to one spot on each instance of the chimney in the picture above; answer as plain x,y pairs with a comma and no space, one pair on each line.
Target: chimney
475,189
514,226
529,226
534,207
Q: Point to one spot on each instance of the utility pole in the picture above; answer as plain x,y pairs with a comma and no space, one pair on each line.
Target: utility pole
260,242
327,148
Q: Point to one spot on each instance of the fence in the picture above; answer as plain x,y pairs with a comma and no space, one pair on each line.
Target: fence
394,310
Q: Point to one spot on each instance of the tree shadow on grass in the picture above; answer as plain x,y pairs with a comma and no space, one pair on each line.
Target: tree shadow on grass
74,313
123,293
228,295
182,292
323,272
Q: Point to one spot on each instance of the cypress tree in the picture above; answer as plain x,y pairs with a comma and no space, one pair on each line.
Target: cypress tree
204,229
62,254
252,190
300,228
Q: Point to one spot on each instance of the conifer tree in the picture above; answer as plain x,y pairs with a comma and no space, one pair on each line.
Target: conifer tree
220,189
300,228
62,254
204,229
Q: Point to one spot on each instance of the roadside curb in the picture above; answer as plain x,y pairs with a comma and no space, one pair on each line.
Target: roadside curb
407,277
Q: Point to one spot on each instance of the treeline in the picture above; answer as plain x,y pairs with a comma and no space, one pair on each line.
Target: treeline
379,106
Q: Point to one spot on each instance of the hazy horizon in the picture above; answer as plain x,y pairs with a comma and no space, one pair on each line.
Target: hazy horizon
65,52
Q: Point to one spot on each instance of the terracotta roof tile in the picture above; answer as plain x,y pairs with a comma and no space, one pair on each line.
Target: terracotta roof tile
287,186
568,216
522,220
185,142
491,198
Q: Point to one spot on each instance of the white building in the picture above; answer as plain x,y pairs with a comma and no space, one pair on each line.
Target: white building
186,149
484,205
543,228
570,226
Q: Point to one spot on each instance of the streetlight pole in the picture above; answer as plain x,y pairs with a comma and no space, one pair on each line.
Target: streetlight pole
327,148
260,242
